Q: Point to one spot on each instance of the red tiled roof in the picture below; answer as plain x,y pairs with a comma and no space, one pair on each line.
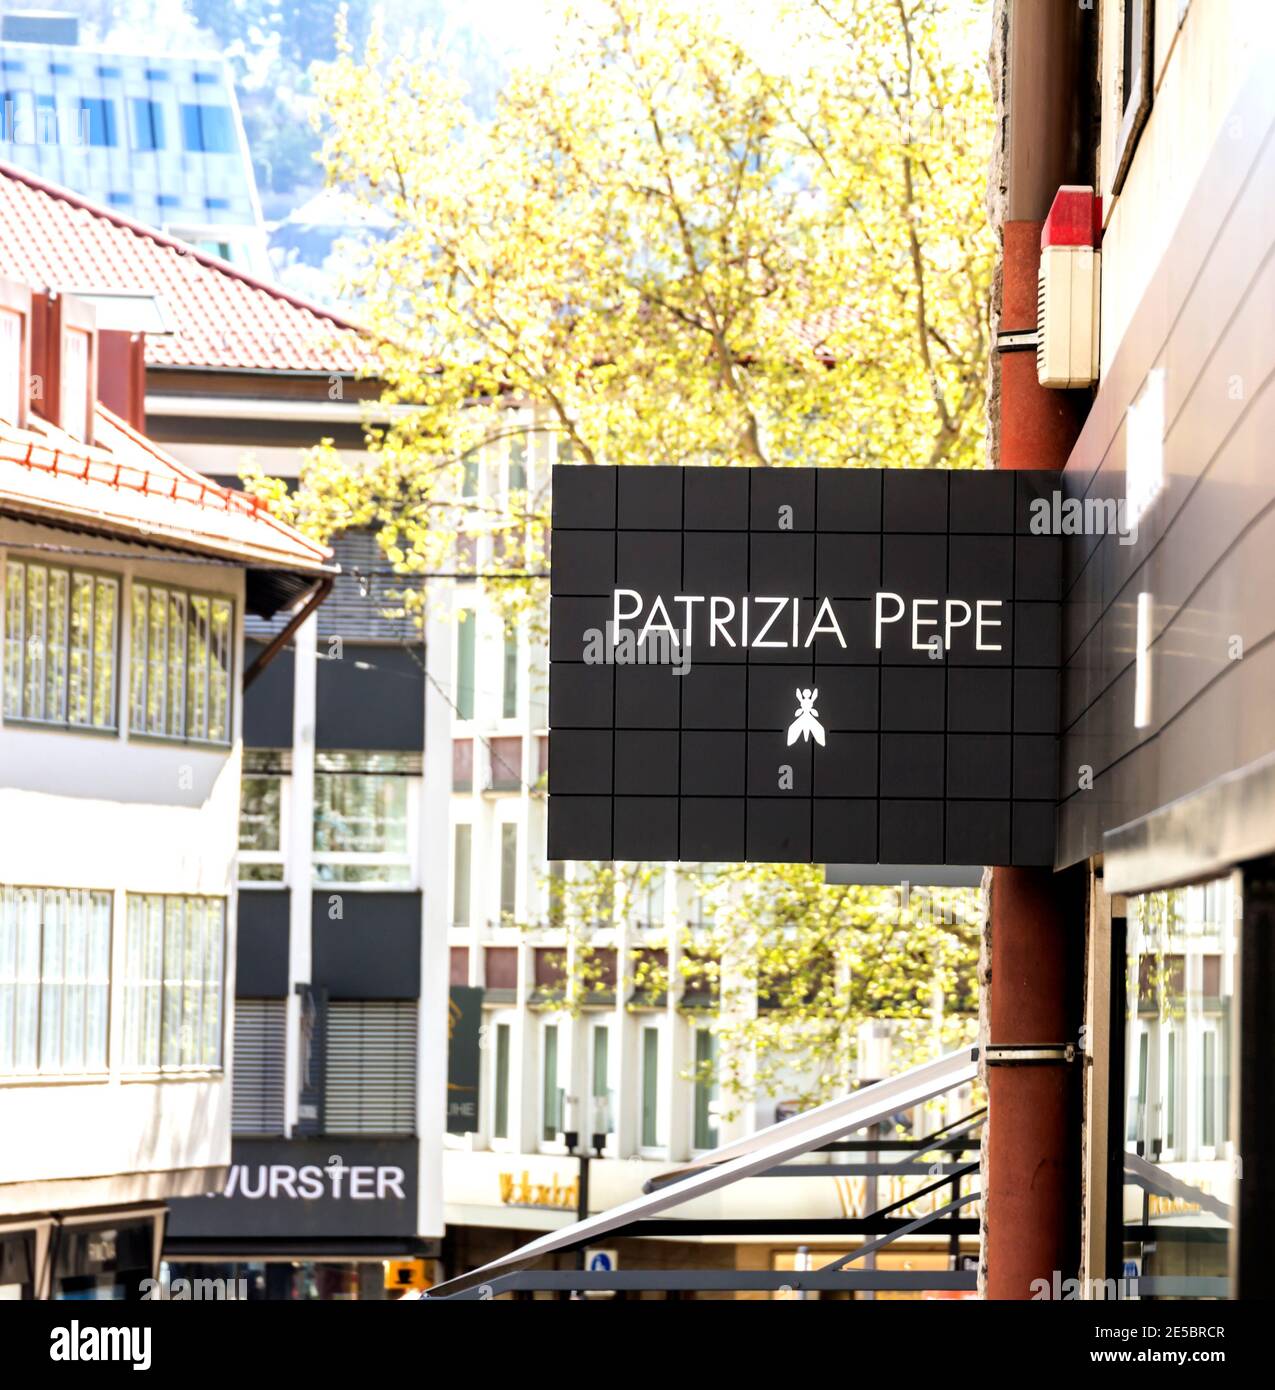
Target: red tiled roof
126,486
51,238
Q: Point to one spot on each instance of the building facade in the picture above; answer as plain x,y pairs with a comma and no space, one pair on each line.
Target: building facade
126,579
157,137
1155,930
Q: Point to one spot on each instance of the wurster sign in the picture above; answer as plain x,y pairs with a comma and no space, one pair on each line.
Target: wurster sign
793,664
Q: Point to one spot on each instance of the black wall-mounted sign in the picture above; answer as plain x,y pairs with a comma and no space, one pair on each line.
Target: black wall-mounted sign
335,1186
798,664
464,1058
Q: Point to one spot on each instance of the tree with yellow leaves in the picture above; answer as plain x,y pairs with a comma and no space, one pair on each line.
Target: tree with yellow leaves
676,243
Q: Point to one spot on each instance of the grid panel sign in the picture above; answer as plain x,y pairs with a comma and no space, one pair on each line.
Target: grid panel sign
799,664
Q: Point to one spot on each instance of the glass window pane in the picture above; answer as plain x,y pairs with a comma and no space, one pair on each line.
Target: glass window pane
97,982
52,976
8,975
461,871
219,672
134,958
105,604
508,869
137,658
81,669
650,1087
192,980
55,658
37,639
197,669
153,975
171,1049
75,973
549,1109
214,946
176,665
27,994
157,680
500,1121
465,631
509,693
14,636
260,812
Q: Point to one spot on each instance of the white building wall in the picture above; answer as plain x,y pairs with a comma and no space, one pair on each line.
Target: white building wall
112,812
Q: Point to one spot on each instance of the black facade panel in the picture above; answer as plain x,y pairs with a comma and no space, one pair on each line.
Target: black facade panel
370,697
267,703
261,949
366,945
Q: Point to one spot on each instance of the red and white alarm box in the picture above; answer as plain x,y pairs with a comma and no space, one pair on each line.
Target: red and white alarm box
1067,290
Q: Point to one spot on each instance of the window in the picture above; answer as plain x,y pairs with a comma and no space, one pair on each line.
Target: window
500,1117
508,870
705,1089
518,463
509,684
148,124
1208,1088
465,664
55,973
650,1088
173,972
75,383
551,1104
462,855
179,678
156,75
60,645
107,70
119,200
1135,86
370,1082
11,367
361,818
600,1081
257,1100
217,204
99,116
207,129
261,815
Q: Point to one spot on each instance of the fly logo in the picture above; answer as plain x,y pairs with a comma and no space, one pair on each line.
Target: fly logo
90,1343
806,725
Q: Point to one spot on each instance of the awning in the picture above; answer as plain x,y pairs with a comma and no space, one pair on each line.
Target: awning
745,1158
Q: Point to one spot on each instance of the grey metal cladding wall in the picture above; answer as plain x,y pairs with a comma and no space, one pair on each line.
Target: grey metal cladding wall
370,697
926,761
1205,551
267,703
261,943
373,949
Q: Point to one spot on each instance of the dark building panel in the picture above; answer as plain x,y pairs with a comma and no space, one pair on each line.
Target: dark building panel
367,945
370,697
261,955
267,703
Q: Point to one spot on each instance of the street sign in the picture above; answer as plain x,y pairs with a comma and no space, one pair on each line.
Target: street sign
796,664
601,1261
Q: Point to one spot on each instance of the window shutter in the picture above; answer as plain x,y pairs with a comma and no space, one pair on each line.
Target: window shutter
371,1071
257,1101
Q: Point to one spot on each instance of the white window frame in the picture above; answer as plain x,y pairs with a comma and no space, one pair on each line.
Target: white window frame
560,1023
659,1023
383,859
51,913
156,1005
264,856
142,664
24,648
504,1143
